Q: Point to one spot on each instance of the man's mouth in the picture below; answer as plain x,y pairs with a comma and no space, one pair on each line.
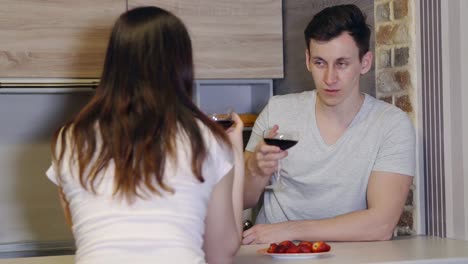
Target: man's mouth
331,90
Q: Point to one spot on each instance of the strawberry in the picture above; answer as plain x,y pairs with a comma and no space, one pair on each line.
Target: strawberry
287,243
281,249
320,246
306,243
272,248
304,249
293,249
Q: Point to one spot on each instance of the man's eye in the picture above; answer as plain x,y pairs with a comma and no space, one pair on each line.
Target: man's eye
342,65
319,63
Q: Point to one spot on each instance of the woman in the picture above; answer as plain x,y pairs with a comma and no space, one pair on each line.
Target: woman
144,176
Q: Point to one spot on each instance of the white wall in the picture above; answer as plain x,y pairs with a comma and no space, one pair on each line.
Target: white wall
464,111
455,92
419,215
29,205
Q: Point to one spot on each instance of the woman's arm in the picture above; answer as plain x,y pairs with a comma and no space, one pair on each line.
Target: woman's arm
222,238
235,136
224,219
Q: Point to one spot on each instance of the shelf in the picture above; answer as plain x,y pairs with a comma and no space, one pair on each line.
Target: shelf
243,96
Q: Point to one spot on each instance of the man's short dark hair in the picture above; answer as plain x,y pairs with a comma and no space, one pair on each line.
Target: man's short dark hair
332,21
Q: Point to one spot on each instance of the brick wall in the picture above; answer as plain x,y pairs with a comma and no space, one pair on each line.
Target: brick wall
396,71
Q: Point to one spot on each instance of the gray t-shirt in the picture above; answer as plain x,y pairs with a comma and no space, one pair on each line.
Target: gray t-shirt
323,181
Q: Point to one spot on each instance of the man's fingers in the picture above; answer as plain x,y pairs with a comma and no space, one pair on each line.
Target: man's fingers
275,156
268,165
267,161
248,240
248,237
266,149
271,156
273,131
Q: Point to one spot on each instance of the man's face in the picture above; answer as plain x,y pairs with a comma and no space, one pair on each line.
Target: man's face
336,69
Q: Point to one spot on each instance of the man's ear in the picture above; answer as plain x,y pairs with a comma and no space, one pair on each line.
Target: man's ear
366,62
307,57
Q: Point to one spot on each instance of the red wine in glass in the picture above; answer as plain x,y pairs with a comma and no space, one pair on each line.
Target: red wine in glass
283,144
225,123
283,140
224,120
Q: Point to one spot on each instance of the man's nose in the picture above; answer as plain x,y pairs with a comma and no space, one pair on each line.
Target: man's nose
330,75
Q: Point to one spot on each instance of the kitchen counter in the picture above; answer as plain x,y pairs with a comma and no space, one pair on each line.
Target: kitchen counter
406,250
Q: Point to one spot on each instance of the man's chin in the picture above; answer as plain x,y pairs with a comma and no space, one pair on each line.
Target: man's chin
329,99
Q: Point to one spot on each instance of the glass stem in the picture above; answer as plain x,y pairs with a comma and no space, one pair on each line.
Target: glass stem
278,173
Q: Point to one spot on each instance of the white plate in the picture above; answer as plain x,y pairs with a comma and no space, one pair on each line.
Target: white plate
263,251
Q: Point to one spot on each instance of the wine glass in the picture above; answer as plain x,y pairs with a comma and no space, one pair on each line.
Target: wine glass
284,140
223,119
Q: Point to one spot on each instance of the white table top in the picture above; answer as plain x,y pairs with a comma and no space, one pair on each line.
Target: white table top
419,249
403,250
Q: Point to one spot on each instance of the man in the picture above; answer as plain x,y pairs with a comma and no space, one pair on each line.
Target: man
348,177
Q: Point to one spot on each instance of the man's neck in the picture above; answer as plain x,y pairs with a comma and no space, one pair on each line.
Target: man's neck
341,114
332,121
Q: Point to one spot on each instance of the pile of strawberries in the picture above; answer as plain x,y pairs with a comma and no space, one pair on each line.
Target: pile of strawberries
288,246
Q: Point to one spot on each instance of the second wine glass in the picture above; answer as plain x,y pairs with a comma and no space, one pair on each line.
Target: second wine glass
224,119
284,140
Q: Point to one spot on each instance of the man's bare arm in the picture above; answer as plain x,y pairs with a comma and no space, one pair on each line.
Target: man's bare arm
386,196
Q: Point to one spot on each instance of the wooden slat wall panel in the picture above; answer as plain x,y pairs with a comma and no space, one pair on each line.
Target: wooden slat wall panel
231,38
55,38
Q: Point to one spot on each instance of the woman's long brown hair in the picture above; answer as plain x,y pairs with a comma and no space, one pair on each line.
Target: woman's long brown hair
143,102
